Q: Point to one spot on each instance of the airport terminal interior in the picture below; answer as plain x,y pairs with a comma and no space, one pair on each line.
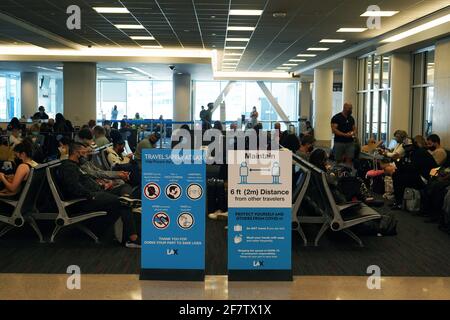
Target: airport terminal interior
357,90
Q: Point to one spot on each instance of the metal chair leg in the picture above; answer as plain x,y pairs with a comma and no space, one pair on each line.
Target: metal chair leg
5,230
36,229
87,231
54,233
322,230
354,237
302,234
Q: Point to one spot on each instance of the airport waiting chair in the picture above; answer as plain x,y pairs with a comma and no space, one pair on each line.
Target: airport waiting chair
302,176
104,159
25,205
63,218
330,215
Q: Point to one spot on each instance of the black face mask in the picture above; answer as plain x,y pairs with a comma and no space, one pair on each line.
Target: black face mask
17,161
310,149
432,148
82,160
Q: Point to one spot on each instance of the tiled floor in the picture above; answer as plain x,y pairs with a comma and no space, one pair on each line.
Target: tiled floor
43,286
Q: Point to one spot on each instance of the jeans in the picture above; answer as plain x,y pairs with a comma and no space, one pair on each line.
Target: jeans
344,150
109,201
133,169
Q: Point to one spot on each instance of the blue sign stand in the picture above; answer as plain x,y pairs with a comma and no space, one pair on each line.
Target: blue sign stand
259,216
173,215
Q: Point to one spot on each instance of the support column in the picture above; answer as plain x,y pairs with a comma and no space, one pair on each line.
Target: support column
59,96
349,84
400,115
323,106
305,100
29,93
441,114
181,97
80,92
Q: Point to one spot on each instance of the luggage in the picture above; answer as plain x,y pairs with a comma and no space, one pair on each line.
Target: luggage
411,200
377,184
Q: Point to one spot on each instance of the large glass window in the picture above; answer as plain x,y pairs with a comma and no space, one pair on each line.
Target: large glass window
423,93
151,99
9,96
242,96
373,96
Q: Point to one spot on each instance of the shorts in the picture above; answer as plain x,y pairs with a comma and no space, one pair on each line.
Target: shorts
344,150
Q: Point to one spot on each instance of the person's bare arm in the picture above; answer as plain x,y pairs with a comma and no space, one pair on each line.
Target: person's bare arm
13,186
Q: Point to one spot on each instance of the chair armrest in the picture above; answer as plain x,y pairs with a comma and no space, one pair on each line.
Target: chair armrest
71,202
348,205
9,201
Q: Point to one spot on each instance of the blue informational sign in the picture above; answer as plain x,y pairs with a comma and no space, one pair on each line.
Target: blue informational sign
173,211
259,215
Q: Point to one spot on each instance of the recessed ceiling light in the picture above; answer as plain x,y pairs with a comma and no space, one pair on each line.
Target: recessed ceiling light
283,68
59,68
351,30
318,49
229,59
297,60
152,47
111,10
180,73
238,39
306,55
235,12
234,48
229,63
124,72
129,26
213,34
142,38
375,13
290,64
241,28
233,54
213,17
418,29
332,41
114,69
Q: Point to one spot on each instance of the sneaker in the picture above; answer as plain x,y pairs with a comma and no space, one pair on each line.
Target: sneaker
130,202
137,210
136,244
218,215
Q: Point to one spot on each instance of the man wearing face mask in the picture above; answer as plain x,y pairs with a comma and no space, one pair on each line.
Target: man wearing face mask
147,143
434,147
76,183
344,130
306,147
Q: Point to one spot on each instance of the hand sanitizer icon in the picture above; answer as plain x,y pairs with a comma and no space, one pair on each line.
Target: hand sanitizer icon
238,239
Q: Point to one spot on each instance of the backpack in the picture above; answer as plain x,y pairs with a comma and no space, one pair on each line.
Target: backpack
411,200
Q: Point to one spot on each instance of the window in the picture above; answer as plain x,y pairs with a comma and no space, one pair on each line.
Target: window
150,99
9,96
374,97
423,92
243,95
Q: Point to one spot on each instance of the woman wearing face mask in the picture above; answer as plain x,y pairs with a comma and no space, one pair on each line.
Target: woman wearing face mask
13,183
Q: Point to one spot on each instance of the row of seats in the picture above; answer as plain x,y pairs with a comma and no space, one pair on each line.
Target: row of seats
25,206
314,192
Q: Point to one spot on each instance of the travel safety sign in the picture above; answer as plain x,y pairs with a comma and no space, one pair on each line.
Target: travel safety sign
259,212
173,214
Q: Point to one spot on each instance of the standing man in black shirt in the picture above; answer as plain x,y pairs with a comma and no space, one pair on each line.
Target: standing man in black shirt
344,130
40,115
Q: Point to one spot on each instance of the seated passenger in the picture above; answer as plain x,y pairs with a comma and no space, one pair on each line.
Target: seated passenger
147,143
398,152
100,136
414,173
13,184
76,183
85,137
115,154
306,147
63,148
434,146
